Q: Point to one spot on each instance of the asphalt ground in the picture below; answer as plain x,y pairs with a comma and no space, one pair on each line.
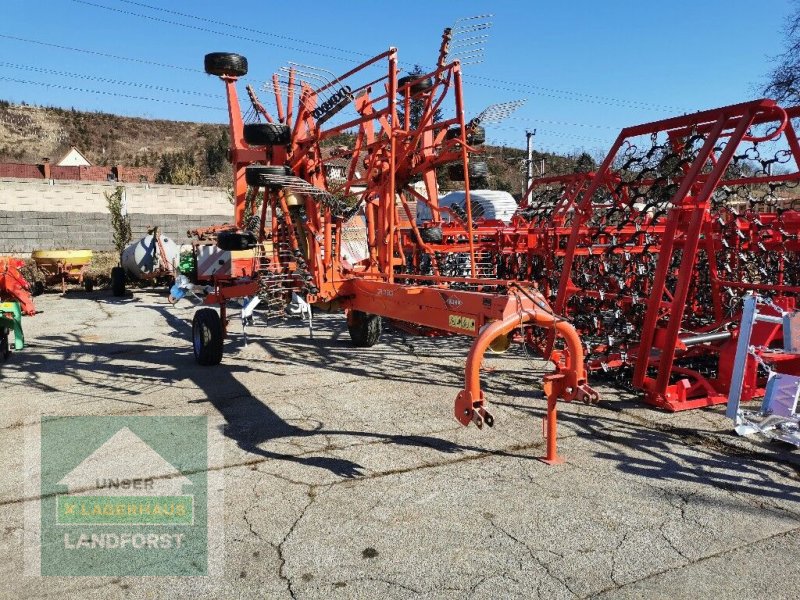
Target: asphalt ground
345,475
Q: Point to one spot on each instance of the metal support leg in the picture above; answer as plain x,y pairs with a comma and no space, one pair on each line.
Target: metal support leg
550,426
740,362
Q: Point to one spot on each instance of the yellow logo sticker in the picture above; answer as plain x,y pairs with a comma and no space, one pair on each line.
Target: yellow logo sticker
461,322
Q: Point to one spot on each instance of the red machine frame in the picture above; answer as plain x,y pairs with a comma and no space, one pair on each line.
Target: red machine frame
394,153
574,232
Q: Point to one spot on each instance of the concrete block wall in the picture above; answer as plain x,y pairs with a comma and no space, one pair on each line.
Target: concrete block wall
59,215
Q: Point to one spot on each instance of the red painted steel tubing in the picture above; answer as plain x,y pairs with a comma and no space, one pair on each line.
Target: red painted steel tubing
566,383
551,432
574,374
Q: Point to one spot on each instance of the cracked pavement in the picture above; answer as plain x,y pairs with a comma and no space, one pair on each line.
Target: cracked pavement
346,476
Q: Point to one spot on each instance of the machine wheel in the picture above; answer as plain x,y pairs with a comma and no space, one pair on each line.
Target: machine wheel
207,337
5,348
225,63
258,175
267,134
476,137
432,235
37,289
476,170
88,284
234,240
118,281
422,85
365,329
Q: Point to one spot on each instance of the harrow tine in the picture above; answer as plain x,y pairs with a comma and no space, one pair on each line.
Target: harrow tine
284,87
468,27
496,113
318,79
470,58
322,74
470,41
460,45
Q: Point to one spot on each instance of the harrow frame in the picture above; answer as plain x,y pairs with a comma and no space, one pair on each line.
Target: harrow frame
593,221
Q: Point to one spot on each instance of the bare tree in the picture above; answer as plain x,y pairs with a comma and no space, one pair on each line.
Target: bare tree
784,79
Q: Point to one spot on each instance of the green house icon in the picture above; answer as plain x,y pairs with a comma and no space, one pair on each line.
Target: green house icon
125,466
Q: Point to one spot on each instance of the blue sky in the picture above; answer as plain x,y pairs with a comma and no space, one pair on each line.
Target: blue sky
585,68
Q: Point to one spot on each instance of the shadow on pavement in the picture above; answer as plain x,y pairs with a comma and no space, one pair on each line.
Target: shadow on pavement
643,449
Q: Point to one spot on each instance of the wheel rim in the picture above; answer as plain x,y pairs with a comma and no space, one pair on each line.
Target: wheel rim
201,337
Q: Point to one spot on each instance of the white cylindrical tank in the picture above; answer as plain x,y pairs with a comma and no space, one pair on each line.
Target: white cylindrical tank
142,259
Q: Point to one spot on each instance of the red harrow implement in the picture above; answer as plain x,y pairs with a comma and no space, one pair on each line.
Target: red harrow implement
337,243
649,257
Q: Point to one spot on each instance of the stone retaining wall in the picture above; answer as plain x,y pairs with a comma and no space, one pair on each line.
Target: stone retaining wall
61,215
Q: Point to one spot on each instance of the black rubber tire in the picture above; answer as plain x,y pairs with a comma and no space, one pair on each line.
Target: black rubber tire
37,288
477,211
432,235
365,330
476,170
207,337
476,137
236,240
5,347
118,281
459,212
267,134
423,85
455,172
88,284
256,175
225,63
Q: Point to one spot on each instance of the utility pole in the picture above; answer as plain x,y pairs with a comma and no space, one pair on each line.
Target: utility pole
528,165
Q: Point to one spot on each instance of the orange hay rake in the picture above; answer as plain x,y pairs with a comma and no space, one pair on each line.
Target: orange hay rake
337,245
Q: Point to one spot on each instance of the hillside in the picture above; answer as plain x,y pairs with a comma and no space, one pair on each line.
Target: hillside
30,133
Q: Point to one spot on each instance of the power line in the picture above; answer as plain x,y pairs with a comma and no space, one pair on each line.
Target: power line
103,54
222,23
575,96
548,133
519,143
591,125
106,93
105,80
207,30
556,96
560,149
194,70
578,95
540,90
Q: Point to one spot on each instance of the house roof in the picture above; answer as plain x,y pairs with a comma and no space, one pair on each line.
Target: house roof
73,150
